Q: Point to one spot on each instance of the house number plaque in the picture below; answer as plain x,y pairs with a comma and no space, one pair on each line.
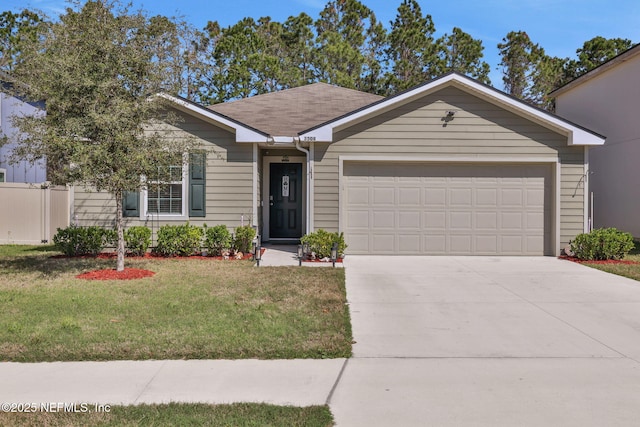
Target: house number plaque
285,186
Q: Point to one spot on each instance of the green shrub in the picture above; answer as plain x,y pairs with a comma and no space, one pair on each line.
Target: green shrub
243,238
137,240
602,243
216,239
179,240
321,241
92,240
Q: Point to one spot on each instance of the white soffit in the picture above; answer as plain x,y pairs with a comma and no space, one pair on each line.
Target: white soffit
576,135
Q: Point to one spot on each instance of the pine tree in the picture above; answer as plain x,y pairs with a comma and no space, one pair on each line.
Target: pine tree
348,42
411,50
520,57
462,53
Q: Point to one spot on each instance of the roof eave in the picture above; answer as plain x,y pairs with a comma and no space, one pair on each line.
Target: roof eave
244,134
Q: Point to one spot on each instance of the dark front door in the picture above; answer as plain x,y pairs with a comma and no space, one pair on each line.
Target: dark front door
285,201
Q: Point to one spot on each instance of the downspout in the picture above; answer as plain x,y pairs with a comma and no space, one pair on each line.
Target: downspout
308,198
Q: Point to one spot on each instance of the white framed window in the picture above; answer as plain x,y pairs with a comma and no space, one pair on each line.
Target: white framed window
166,194
3,175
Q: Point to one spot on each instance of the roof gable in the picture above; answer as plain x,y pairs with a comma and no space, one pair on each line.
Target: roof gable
576,135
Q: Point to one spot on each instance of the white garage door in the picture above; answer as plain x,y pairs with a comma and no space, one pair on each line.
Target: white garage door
455,209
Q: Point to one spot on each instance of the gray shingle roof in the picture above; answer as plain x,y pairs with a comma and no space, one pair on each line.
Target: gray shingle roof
288,112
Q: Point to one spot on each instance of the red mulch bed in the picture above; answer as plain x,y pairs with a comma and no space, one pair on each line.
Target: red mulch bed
134,273
319,260
603,261
110,274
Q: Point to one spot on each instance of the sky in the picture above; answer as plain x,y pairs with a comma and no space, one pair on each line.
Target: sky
559,26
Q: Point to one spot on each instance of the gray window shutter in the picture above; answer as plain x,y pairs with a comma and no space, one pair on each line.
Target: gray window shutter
131,204
197,178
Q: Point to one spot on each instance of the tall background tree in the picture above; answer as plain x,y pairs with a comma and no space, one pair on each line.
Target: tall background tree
519,60
412,50
15,30
298,38
595,52
462,53
98,69
349,39
530,74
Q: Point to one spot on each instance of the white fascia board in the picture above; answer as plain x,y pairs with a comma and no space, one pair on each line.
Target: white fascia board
243,133
575,134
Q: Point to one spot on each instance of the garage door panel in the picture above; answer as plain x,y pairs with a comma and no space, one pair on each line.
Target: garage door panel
535,198
512,244
486,221
486,197
384,196
383,243
384,219
409,219
460,197
359,242
409,244
435,220
434,244
358,219
462,209
512,197
487,245
460,244
409,197
435,196
358,196
460,221
511,221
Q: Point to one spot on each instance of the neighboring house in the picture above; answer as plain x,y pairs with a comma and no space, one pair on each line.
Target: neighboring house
22,172
607,100
449,167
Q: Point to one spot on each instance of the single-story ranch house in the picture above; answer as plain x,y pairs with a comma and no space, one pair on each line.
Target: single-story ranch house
449,167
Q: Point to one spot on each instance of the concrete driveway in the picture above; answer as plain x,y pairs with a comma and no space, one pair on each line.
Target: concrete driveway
482,341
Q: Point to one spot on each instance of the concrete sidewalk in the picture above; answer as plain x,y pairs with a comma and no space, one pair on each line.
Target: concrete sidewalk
287,255
280,382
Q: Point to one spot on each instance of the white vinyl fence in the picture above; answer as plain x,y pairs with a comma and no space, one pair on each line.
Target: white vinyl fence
31,213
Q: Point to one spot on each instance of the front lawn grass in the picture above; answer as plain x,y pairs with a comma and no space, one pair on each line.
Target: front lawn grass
178,414
190,309
631,271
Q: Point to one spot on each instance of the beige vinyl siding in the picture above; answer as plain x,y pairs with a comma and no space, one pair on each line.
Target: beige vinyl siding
229,181
478,129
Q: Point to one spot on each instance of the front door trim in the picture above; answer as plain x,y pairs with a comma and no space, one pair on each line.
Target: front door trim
266,185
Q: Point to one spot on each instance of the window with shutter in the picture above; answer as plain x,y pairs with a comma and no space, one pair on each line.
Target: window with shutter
176,192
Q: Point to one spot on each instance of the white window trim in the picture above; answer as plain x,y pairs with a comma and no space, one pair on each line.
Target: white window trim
3,172
144,212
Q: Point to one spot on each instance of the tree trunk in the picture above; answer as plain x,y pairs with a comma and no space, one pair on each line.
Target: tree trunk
120,229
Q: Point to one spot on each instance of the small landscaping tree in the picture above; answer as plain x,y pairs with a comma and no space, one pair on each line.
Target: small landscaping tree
98,68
